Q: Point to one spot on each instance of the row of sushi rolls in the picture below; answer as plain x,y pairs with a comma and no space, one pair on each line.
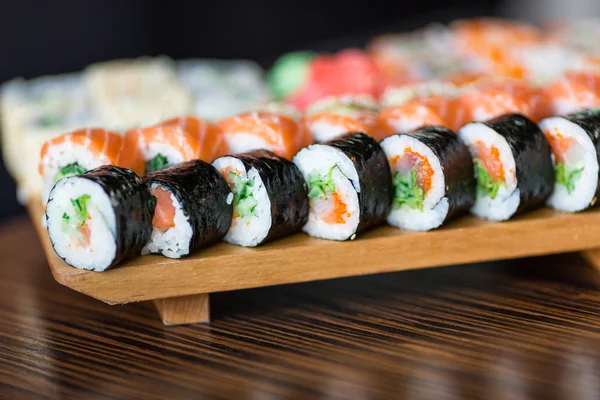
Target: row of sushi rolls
483,116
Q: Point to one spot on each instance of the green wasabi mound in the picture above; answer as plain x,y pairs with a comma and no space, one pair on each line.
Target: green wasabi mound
289,73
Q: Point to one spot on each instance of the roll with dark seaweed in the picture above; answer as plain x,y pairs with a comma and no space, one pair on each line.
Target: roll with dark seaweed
350,186
513,166
99,218
193,208
432,174
575,142
269,197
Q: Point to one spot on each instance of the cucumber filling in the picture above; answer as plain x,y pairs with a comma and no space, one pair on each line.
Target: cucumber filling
567,178
73,223
69,170
243,200
407,191
158,162
486,185
319,185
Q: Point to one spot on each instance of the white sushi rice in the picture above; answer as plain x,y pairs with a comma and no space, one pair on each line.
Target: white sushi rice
582,156
102,224
507,200
322,130
173,242
435,205
62,155
242,142
321,158
247,231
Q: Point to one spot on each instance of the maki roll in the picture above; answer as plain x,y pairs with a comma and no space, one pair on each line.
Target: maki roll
513,166
75,153
575,142
269,197
150,149
276,132
350,186
331,117
193,208
99,218
432,174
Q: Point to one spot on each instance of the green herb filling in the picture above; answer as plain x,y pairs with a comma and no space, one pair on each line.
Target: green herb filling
407,190
565,178
485,182
158,162
243,199
69,170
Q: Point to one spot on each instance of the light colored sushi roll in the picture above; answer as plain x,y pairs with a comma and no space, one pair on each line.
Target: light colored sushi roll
75,153
513,166
276,132
432,174
193,208
150,149
331,117
575,139
269,197
349,183
97,219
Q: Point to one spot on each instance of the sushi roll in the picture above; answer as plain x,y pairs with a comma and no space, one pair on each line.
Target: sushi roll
407,117
575,142
257,130
150,149
269,197
331,117
99,218
513,166
193,208
211,143
432,174
350,186
75,153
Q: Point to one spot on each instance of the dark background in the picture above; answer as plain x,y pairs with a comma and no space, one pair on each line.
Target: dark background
51,37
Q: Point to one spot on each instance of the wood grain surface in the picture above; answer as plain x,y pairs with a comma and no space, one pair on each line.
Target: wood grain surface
523,329
300,258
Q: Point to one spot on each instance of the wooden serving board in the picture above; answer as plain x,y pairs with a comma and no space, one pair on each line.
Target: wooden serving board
180,287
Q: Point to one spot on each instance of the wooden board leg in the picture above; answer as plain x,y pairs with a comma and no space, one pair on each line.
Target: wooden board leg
592,257
184,310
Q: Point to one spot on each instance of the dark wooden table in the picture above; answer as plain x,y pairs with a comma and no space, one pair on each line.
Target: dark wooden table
526,329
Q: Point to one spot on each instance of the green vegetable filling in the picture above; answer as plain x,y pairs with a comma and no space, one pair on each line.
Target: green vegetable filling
485,182
407,190
71,223
565,178
158,162
243,200
69,170
319,185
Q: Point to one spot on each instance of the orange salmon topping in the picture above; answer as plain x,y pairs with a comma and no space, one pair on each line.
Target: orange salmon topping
491,160
560,145
336,215
424,170
164,214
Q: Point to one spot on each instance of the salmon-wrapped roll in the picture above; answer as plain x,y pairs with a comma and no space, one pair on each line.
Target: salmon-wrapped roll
75,153
150,149
264,130
211,143
492,98
576,90
334,116
408,116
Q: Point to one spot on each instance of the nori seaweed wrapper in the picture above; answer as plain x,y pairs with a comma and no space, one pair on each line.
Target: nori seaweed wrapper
202,193
374,177
533,158
589,121
286,188
457,167
133,206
